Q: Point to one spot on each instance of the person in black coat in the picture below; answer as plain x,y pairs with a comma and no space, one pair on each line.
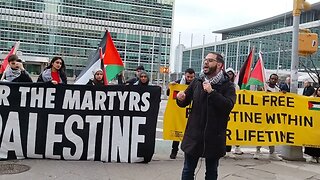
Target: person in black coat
187,78
136,78
213,97
97,78
143,79
285,87
308,89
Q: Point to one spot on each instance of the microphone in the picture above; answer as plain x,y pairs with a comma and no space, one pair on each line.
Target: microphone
202,77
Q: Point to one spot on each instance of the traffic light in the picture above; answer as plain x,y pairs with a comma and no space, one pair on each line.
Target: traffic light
164,69
308,43
299,5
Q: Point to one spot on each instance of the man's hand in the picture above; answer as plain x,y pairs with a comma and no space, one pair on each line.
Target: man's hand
20,66
181,96
207,87
54,82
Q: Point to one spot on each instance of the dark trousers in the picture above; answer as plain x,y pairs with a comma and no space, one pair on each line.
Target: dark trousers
190,164
175,146
228,148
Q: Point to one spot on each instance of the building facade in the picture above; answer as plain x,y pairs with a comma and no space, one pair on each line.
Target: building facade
141,30
177,67
271,36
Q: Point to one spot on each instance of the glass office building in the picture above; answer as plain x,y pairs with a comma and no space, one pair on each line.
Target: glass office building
271,36
141,29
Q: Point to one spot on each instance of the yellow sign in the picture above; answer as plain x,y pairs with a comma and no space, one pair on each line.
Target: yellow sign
175,118
265,118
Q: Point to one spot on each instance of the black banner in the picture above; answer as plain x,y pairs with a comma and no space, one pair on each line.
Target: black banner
78,122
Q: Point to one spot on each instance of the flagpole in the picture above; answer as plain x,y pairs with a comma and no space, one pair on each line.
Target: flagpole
260,45
139,57
226,55
190,51
203,41
125,48
160,42
152,54
237,57
278,58
102,65
165,61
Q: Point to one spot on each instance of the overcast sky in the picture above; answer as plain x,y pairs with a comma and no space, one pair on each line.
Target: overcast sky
201,17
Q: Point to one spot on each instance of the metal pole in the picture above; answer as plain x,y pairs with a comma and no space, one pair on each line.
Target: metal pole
202,57
278,58
190,52
203,40
294,55
294,153
125,48
165,62
139,57
160,44
237,57
152,55
260,46
226,55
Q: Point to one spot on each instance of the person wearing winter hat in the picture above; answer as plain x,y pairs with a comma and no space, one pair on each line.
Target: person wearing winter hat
143,79
232,75
97,78
135,79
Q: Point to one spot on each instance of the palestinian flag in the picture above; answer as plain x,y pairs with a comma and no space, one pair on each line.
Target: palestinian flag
312,105
257,76
13,50
106,57
112,60
94,63
244,74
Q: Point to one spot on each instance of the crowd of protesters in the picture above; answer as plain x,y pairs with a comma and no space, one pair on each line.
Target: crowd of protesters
215,86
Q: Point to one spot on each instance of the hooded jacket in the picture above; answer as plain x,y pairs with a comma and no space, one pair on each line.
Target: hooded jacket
205,134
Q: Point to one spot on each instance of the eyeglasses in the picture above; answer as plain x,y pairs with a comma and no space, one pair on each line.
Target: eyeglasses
210,60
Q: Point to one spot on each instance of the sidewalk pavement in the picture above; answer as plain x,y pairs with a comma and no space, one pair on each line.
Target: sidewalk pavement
162,168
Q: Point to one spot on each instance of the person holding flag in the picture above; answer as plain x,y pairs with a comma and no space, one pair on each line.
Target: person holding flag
257,78
106,58
97,79
15,72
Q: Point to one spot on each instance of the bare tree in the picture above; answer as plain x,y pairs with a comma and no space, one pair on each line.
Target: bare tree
313,72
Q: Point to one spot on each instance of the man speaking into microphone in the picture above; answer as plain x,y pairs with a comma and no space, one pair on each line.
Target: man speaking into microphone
213,97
